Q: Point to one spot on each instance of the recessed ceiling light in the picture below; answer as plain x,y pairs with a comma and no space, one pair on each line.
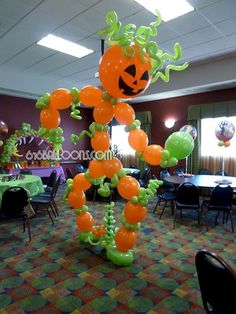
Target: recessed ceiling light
65,46
169,9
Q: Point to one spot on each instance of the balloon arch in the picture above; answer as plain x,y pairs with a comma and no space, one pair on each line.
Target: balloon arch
126,69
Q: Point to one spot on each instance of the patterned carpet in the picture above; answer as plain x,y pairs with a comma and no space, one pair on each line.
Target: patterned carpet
57,274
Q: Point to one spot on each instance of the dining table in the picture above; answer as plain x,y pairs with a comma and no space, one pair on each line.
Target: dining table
202,181
33,184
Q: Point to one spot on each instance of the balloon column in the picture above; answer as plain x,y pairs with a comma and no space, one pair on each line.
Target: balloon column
126,69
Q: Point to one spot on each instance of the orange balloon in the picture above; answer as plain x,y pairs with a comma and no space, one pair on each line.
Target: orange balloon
134,213
61,98
96,169
227,144
76,199
90,96
103,112
122,76
85,222
128,187
80,182
125,239
138,140
111,167
50,118
98,231
152,154
100,141
124,113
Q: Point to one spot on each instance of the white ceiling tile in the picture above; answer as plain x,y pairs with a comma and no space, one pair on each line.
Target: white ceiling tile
50,63
227,27
199,37
91,21
69,8
122,8
188,23
29,57
198,4
219,11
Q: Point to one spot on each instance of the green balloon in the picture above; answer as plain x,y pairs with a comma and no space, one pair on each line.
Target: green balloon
119,258
1,143
179,144
165,154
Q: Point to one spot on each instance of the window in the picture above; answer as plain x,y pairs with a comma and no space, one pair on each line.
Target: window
120,138
209,141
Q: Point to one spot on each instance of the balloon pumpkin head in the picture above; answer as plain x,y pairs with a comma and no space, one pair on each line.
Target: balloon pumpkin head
124,76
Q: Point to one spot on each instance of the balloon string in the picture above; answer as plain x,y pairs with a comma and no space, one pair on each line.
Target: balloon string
75,113
76,138
165,77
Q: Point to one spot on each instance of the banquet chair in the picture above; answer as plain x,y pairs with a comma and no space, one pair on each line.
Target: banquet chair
220,200
143,181
179,171
136,174
14,199
220,173
217,281
187,198
69,174
204,171
51,181
166,193
47,200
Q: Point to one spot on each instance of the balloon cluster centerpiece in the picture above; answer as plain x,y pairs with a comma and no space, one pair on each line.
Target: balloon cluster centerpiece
126,69
224,131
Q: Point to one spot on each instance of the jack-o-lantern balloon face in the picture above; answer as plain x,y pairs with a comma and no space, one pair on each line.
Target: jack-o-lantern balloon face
124,77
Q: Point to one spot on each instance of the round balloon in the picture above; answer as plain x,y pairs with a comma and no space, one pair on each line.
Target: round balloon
179,144
3,129
225,130
189,129
122,76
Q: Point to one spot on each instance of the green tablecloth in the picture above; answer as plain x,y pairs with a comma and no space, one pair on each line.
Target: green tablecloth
33,184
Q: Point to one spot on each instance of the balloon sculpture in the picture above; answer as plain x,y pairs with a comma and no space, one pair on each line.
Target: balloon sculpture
126,69
224,132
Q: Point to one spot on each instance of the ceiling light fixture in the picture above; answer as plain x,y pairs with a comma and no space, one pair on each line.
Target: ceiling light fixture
168,9
65,46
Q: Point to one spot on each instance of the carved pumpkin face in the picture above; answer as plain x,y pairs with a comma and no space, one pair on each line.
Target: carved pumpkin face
124,77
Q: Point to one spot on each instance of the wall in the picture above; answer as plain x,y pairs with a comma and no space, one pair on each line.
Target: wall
15,110
177,108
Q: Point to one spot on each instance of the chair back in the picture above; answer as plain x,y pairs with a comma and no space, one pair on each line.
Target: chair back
136,174
203,171
4,171
179,170
221,173
222,195
52,179
165,186
25,171
217,282
14,200
69,174
56,186
187,193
